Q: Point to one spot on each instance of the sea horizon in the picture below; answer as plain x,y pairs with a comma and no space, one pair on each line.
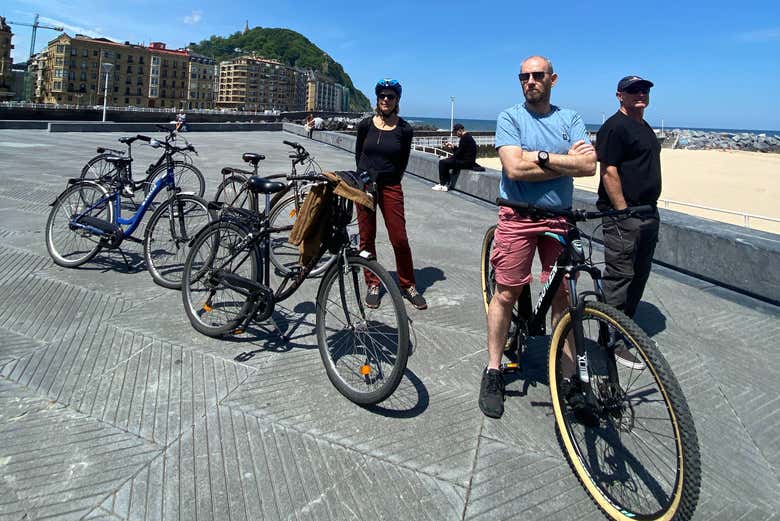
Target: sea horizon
489,125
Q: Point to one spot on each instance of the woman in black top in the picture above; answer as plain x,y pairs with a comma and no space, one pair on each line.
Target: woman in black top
384,142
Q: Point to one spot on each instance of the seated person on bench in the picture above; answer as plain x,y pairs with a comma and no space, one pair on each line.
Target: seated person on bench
464,156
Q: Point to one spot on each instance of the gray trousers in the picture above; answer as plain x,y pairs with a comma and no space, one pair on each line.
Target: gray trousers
629,245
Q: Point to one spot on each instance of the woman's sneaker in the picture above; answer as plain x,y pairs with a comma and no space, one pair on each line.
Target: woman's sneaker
437,187
372,297
415,298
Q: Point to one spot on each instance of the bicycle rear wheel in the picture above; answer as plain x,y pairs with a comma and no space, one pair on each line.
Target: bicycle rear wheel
233,192
187,177
172,226
98,169
641,460
214,307
68,245
364,350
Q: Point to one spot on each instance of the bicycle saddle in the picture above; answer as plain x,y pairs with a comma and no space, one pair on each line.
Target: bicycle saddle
260,185
251,157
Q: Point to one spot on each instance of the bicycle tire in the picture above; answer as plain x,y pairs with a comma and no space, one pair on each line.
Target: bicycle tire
361,374
187,177
212,308
73,247
232,191
165,248
488,277
98,169
672,429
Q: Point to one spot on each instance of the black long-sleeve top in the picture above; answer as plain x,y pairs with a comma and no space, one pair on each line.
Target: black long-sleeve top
383,153
466,149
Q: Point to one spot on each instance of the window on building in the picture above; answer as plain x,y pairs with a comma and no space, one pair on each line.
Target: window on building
85,53
129,58
95,53
138,92
57,85
73,51
127,101
70,87
60,48
141,59
93,75
82,88
127,92
92,87
116,88
71,75
129,69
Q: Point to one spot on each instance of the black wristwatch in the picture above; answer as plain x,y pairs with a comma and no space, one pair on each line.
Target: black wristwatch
544,157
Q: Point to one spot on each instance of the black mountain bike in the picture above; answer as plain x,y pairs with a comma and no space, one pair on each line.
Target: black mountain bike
188,178
627,433
227,285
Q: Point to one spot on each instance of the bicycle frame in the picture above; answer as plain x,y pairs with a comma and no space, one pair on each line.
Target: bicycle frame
167,181
569,264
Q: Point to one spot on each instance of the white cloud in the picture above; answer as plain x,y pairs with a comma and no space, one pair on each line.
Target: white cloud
761,35
194,17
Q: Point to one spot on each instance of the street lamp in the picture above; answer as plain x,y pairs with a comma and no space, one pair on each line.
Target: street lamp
107,69
452,113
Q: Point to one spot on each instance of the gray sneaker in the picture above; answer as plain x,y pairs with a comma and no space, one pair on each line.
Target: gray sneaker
372,297
414,297
626,358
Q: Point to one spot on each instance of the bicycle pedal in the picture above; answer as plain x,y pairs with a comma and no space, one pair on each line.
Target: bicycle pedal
510,367
207,308
238,331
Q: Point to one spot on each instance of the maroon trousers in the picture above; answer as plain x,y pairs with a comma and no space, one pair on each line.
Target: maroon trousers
389,199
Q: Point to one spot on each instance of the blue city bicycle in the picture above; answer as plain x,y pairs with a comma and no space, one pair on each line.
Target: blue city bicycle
87,217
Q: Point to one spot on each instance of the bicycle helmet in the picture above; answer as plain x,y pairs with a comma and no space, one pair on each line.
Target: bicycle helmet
385,84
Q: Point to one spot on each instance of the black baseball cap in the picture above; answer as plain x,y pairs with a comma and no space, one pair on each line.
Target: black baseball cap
457,126
628,81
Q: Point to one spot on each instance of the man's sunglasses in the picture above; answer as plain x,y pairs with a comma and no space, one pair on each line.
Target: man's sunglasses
538,76
389,97
637,90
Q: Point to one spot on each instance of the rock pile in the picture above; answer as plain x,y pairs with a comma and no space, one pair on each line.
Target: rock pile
701,140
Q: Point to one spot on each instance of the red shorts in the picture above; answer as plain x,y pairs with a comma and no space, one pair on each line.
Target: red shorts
516,239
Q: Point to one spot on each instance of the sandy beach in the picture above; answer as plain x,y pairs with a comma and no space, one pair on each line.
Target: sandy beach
730,180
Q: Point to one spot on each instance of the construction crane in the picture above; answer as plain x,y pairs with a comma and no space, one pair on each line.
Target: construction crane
35,25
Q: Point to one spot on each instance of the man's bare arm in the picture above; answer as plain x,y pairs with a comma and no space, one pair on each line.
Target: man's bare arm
613,186
523,165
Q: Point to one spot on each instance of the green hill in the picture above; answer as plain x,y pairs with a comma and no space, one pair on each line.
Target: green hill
286,46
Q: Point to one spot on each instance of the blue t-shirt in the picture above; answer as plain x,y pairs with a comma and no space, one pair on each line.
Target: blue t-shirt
554,132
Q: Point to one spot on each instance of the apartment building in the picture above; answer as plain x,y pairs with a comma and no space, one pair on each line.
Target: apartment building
6,76
323,94
77,69
255,83
203,81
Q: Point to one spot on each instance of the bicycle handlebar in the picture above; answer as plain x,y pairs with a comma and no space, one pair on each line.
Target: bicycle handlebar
168,146
574,215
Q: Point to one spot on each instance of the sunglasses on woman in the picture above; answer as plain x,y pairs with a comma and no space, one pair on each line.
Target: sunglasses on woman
389,97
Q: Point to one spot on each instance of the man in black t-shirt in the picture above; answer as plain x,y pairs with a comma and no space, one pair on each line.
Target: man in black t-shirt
464,156
630,158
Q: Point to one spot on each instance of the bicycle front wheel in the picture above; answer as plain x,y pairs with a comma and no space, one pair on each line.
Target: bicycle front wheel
637,456
214,306
172,226
186,175
69,244
364,350
488,273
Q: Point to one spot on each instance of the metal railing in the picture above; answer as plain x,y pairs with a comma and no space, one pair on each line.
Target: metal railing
29,104
437,141
745,215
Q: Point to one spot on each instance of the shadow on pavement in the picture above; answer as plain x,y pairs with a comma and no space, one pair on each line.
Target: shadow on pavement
410,399
650,318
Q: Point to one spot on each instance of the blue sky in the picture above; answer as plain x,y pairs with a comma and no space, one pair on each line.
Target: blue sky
715,64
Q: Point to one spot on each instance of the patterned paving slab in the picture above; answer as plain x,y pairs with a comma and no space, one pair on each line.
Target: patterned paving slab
64,475
234,466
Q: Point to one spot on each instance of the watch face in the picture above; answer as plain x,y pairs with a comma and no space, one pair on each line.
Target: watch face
544,156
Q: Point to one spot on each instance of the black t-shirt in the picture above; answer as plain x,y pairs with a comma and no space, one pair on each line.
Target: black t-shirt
633,148
383,153
467,149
